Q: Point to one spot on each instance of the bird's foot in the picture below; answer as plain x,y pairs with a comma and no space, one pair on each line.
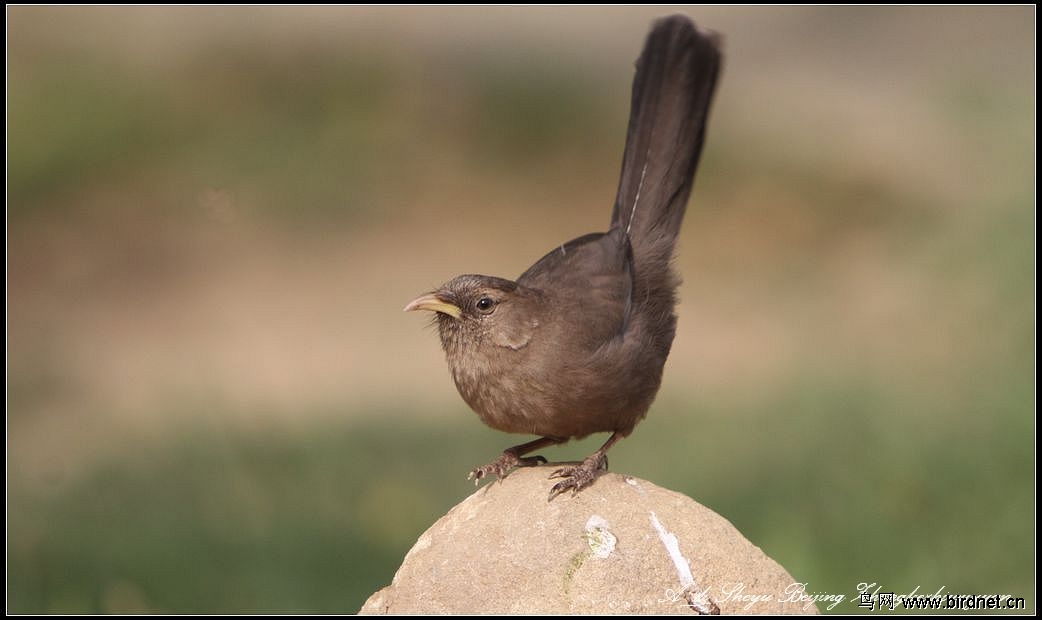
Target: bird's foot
502,466
578,476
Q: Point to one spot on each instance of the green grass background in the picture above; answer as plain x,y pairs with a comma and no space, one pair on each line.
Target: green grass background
216,214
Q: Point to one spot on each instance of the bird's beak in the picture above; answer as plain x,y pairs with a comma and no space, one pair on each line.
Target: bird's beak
432,302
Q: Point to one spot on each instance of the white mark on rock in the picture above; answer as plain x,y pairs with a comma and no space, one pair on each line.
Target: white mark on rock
697,598
669,541
599,537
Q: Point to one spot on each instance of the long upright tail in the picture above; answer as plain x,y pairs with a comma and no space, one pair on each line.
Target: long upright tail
672,90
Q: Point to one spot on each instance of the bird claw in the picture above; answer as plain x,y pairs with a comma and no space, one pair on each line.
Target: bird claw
502,465
578,476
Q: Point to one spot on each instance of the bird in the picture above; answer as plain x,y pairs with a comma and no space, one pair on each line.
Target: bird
576,345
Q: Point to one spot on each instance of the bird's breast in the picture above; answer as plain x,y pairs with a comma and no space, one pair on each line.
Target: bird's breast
503,394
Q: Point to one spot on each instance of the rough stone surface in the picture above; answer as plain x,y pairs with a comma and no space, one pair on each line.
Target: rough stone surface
607,549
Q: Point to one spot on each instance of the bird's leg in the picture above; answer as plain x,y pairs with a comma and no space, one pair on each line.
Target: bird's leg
581,475
515,457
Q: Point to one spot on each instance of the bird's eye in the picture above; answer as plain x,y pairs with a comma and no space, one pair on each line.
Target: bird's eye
485,305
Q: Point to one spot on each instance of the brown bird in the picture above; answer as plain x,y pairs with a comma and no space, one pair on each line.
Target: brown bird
577,343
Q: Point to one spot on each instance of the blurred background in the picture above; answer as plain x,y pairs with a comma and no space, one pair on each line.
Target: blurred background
216,214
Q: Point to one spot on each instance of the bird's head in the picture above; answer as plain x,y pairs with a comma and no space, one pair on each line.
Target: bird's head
471,310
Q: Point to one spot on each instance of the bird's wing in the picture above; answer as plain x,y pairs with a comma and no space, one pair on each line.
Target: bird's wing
589,284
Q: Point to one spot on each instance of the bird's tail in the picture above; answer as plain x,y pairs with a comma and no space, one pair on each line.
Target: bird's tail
672,90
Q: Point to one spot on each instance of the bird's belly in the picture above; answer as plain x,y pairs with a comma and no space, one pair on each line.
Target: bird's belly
520,403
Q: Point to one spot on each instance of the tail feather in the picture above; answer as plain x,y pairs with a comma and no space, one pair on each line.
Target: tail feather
672,91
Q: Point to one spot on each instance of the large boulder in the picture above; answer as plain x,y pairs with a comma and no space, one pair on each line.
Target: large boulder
622,545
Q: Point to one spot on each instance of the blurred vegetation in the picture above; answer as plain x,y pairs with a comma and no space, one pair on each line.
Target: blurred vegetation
214,217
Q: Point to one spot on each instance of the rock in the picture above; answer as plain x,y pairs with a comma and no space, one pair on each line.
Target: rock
622,545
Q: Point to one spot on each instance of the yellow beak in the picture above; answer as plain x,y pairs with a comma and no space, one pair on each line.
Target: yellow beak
432,302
